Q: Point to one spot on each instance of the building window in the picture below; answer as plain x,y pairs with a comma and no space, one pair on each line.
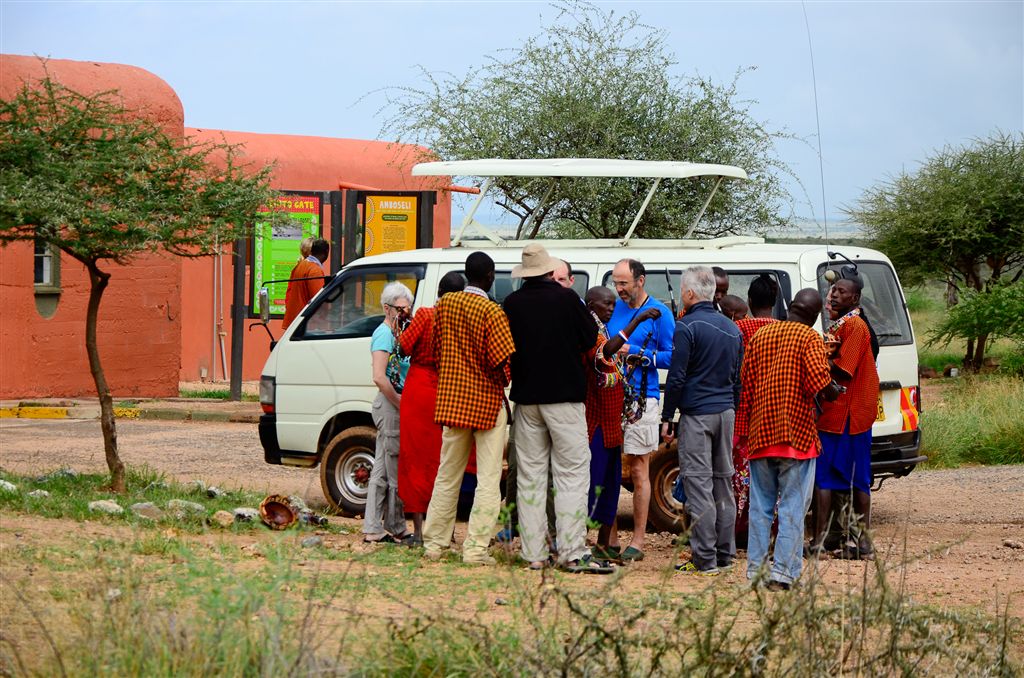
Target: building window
47,268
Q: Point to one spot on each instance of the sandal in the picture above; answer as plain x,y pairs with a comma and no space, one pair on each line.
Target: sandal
587,565
631,554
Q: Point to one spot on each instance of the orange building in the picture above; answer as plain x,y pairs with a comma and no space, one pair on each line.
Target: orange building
163,319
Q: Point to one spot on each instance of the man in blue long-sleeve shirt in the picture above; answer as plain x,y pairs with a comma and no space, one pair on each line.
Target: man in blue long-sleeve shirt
704,385
647,348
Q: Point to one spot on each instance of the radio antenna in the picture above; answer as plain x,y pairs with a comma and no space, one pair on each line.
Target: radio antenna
817,122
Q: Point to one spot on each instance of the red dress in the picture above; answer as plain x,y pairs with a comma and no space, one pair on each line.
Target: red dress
419,441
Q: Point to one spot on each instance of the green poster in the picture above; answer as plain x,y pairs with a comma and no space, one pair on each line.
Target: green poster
276,247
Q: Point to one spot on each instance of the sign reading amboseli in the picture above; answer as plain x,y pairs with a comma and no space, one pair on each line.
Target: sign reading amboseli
390,222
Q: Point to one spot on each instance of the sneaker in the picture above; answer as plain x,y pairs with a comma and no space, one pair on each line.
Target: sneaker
726,564
689,568
774,586
506,535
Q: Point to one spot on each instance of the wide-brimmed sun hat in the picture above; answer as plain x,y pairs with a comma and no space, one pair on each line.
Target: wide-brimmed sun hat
536,261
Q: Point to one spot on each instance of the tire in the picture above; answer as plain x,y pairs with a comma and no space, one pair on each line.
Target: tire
345,469
666,514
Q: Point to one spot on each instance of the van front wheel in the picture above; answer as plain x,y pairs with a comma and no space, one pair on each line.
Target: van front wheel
345,469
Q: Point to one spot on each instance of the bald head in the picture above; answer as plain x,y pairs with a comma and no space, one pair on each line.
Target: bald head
601,301
806,306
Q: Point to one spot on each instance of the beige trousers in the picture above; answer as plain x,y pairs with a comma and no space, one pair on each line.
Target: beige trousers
455,446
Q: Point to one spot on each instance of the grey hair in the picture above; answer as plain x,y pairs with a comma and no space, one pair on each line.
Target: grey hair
700,279
394,291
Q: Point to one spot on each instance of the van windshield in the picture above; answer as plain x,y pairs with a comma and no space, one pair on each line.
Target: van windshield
881,301
351,307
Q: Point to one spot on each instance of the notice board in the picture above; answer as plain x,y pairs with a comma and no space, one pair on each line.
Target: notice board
390,223
276,245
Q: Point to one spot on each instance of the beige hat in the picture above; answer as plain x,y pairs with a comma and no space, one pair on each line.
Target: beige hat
536,261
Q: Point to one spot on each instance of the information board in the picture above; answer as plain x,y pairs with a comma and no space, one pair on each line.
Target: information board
276,245
390,223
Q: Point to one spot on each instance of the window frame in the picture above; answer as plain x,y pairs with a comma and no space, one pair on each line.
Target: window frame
824,285
51,286
336,288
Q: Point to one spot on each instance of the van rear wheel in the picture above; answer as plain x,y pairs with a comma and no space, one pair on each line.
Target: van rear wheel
345,469
666,514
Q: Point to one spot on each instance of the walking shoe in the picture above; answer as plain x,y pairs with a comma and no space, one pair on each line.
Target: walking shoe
689,568
726,564
631,553
506,535
433,554
480,559
775,586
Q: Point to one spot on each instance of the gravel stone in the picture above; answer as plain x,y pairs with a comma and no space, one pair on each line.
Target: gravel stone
39,494
7,487
245,515
146,509
182,508
223,518
214,492
312,542
106,506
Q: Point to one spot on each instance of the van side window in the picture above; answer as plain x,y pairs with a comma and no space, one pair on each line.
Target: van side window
505,284
350,306
657,285
881,301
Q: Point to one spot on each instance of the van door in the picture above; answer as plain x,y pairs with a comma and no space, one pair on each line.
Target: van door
323,367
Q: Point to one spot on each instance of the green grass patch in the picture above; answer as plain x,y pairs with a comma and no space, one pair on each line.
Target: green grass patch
71,493
215,394
979,420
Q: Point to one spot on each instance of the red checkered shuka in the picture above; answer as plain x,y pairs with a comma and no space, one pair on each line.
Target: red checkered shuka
472,347
417,340
604,401
748,328
860,402
785,366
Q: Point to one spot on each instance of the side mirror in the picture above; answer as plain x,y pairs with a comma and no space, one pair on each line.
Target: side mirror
264,297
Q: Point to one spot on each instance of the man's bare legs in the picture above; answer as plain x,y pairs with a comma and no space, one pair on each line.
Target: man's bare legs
640,472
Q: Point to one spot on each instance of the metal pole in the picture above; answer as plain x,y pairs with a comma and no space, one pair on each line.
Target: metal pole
237,318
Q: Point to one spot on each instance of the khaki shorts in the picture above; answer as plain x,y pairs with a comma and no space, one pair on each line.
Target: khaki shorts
642,437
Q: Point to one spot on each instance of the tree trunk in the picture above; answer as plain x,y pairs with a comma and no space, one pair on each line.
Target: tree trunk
97,284
969,356
978,359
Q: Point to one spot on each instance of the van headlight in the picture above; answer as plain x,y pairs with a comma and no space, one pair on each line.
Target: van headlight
268,388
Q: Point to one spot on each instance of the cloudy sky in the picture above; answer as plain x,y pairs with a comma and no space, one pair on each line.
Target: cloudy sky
895,80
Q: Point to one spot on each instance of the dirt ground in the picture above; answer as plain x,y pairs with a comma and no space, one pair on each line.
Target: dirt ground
948,526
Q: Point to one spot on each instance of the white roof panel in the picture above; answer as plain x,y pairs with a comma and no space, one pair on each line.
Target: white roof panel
576,167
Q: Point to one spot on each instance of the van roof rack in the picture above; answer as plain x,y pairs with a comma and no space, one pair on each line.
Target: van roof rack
603,243
556,168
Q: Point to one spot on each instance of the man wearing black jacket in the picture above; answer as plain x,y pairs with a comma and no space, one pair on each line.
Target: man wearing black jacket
552,331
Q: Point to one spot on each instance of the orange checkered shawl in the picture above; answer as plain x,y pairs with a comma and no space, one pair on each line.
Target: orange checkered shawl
860,402
472,347
785,366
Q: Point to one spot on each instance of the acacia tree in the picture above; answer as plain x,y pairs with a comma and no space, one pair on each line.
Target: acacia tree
594,84
959,218
104,185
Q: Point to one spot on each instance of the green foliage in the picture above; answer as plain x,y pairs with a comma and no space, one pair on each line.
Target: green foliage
962,210
978,420
102,183
215,394
596,84
997,312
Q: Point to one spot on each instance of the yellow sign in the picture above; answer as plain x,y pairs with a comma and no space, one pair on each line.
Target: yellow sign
390,223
